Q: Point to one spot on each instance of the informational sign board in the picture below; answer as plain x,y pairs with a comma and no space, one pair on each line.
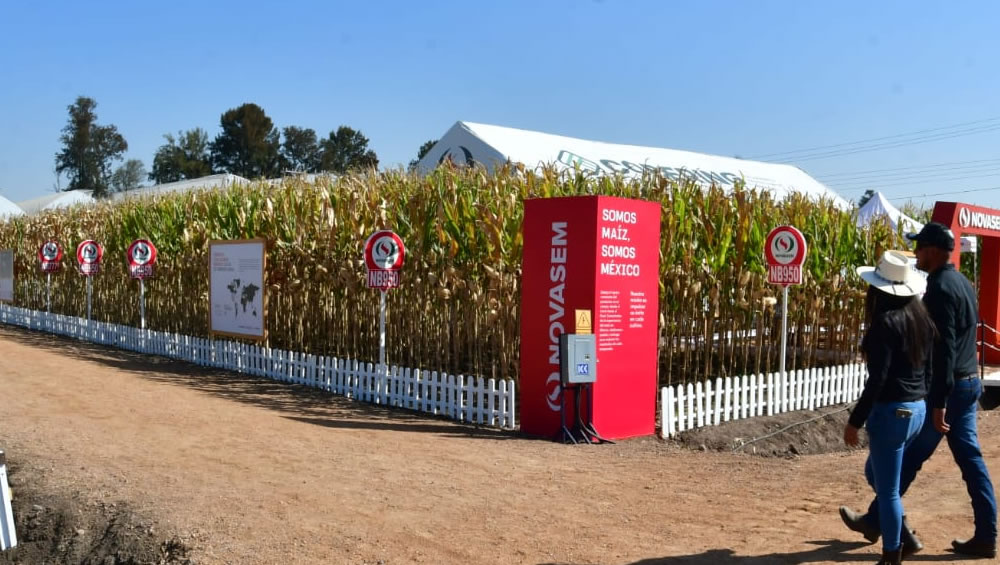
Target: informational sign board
89,254
384,254
237,305
141,257
50,256
7,275
785,251
591,263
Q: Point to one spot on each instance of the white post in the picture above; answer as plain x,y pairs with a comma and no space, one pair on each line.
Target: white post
48,292
381,332
8,537
88,298
784,329
142,304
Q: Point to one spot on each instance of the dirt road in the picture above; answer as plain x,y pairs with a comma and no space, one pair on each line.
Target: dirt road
257,472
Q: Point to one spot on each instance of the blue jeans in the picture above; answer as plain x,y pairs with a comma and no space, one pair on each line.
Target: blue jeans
964,444
889,435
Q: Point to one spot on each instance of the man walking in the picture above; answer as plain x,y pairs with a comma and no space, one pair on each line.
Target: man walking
954,392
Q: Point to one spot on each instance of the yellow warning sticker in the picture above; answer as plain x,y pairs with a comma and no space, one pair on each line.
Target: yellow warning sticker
583,324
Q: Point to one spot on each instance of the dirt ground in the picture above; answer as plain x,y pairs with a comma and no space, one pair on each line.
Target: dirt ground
194,466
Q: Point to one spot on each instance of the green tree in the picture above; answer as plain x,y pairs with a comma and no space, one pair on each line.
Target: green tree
128,176
346,150
88,149
248,143
184,157
300,149
421,152
866,197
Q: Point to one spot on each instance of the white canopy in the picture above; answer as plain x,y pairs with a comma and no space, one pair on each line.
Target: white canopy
9,209
878,206
468,142
56,200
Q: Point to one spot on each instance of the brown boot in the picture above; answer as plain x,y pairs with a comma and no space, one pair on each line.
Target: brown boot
891,557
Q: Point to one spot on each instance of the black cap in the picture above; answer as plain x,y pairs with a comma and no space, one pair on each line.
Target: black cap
934,235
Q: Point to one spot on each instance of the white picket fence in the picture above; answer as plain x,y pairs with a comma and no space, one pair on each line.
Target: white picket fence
684,407
466,399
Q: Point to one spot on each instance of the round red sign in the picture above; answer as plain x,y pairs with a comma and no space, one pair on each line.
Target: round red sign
384,254
384,251
141,257
89,252
785,249
141,252
50,252
785,245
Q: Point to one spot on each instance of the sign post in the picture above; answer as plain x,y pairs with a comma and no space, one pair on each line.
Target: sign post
384,254
50,255
88,255
785,251
141,257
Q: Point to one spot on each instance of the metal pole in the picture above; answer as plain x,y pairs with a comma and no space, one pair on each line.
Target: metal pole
784,329
142,304
89,292
381,333
48,293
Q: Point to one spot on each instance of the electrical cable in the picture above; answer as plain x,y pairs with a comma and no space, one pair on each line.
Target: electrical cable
788,427
918,135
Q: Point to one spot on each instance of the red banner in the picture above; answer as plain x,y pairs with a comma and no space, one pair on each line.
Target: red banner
601,254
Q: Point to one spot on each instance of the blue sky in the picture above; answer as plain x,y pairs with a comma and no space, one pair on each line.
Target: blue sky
747,78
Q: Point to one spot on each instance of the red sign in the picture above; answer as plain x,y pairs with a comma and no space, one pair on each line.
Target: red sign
50,255
141,257
88,255
785,250
384,254
596,253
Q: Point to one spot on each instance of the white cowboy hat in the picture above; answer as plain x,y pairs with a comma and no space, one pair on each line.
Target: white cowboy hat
893,275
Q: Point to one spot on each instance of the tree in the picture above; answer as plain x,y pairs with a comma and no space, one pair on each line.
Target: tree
248,144
128,176
865,197
88,149
300,150
183,157
421,152
346,150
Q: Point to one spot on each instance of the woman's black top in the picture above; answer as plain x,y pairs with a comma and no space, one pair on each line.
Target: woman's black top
891,376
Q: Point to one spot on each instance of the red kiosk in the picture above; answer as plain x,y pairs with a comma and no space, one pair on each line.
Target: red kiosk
967,219
591,262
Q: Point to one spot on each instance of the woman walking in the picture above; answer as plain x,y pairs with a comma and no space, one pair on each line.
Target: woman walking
897,348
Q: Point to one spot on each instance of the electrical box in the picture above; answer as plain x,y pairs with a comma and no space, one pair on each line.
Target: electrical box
578,358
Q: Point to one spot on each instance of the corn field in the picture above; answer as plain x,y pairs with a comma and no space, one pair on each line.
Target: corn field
457,309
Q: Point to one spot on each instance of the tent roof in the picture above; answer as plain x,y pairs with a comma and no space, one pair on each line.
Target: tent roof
489,145
209,182
56,200
878,205
8,208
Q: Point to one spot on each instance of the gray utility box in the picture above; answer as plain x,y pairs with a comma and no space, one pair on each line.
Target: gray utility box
578,358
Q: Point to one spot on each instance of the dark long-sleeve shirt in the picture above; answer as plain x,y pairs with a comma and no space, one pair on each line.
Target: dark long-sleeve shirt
891,375
951,301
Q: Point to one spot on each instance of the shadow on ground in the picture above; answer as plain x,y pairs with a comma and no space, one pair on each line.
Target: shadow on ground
295,402
826,551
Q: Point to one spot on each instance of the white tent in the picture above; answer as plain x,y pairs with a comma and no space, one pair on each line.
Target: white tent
878,206
468,142
223,181
56,200
9,209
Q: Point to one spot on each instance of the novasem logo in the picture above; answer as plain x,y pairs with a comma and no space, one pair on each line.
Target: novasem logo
968,218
